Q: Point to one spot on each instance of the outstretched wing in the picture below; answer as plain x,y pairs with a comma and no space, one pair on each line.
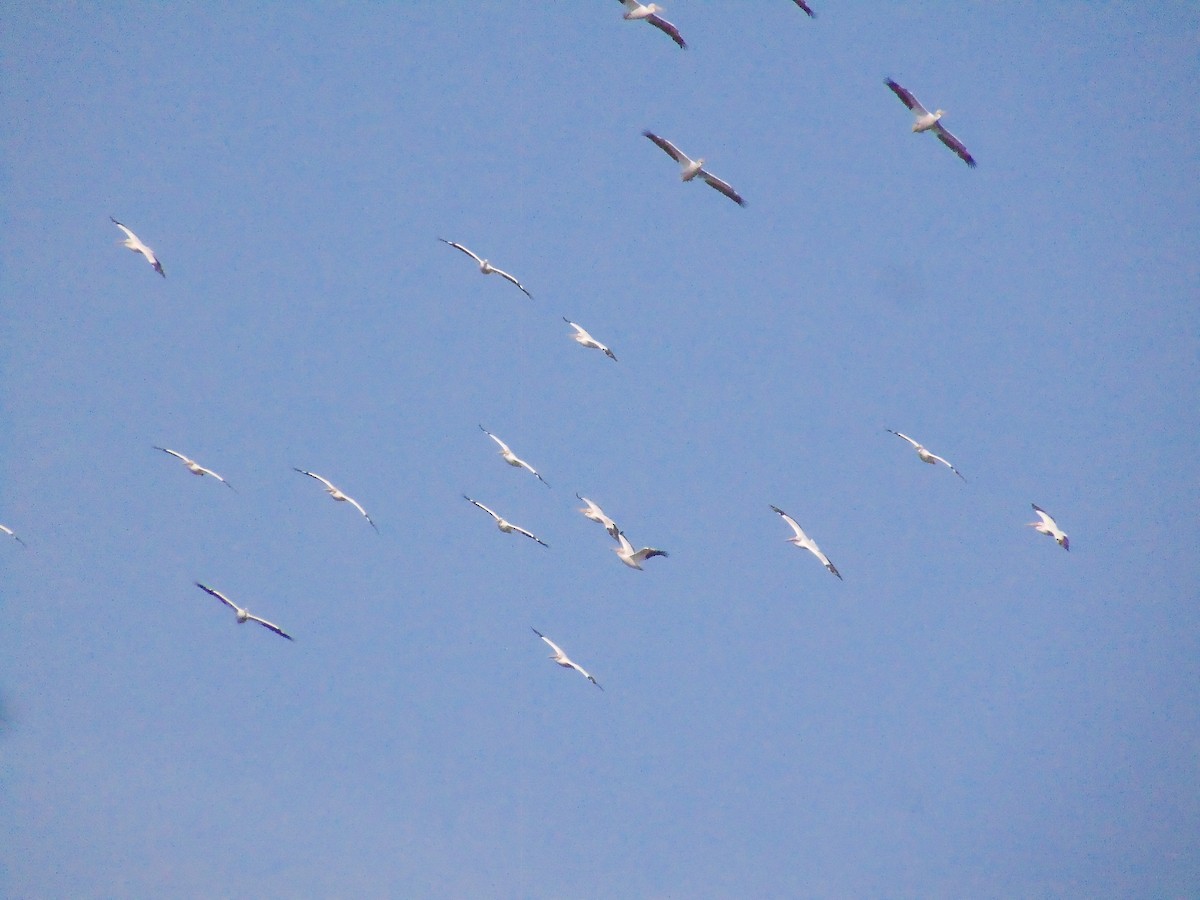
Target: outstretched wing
1044,516
954,144
582,671
553,646
503,446
129,234
324,481
218,595
275,628
504,274
907,98
667,28
174,454
481,506
804,6
463,249
905,436
529,534
792,522
946,463
723,187
358,506
670,149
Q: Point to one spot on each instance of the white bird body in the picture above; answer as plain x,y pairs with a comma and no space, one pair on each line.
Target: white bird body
593,512
134,243
800,539
12,534
930,121
194,467
632,558
927,457
693,167
244,615
511,458
635,11
503,524
563,660
582,337
338,495
1047,525
486,267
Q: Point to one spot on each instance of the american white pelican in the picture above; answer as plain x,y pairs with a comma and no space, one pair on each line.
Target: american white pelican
931,458
242,614
486,267
195,468
596,514
511,458
1047,525
134,243
694,167
803,540
504,525
650,12
804,6
582,337
563,660
627,555
12,534
339,496
928,121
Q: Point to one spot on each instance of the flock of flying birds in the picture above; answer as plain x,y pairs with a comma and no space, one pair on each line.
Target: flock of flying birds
691,169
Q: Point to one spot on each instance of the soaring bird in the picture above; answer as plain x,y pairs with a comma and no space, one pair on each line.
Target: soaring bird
931,458
803,540
650,12
12,534
242,614
596,514
929,121
511,458
694,167
563,660
134,243
804,6
1047,525
504,525
195,468
486,267
582,337
632,558
339,496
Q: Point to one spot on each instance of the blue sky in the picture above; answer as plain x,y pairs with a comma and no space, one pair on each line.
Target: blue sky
972,712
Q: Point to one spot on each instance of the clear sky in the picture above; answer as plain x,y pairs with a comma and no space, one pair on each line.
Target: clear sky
971,712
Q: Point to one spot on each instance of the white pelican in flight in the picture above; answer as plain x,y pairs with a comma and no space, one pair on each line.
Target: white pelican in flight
511,458
931,458
486,267
339,496
929,121
627,555
803,540
244,615
1047,525
563,660
134,243
596,514
504,525
195,468
582,337
694,167
650,12
12,534
804,6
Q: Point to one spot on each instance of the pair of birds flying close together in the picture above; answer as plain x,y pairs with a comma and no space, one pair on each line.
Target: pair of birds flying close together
624,549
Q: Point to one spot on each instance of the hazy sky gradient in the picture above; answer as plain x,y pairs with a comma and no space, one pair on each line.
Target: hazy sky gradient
972,712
